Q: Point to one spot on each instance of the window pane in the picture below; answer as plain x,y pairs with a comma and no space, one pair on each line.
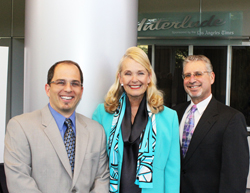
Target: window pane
168,69
147,49
240,84
5,18
218,58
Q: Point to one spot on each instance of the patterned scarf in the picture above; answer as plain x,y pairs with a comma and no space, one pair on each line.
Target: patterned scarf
144,172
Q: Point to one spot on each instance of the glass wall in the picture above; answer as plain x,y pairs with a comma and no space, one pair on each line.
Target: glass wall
167,63
218,58
168,69
240,84
219,30
12,36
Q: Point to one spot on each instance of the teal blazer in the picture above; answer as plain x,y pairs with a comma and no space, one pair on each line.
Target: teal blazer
166,165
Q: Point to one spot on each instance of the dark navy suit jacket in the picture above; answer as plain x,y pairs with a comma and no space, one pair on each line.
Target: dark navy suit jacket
217,159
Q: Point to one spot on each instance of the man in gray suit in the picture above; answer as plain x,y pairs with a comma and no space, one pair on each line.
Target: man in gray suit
37,156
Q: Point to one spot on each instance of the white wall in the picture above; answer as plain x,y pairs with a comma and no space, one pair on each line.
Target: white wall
94,34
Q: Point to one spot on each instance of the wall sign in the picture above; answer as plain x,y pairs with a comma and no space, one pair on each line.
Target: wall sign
190,24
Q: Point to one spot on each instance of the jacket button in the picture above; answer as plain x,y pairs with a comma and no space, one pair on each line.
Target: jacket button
74,190
184,171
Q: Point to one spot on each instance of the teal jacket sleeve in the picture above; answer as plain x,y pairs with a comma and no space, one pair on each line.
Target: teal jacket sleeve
98,114
172,170
104,118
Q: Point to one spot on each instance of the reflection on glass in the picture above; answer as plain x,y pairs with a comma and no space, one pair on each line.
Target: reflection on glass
240,84
168,69
218,58
144,48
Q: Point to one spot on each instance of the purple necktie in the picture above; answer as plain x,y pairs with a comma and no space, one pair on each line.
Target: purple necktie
188,130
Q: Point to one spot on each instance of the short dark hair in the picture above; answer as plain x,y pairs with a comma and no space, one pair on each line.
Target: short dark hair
52,70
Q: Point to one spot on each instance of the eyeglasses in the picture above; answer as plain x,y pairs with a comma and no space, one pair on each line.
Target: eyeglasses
62,83
197,74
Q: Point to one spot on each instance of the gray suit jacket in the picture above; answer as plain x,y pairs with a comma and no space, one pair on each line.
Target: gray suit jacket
35,158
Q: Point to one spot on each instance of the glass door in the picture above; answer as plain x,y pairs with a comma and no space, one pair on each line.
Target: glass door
231,65
218,58
240,80
168,69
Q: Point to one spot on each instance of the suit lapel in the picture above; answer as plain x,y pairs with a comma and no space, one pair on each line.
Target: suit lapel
204,125
82,136
53,133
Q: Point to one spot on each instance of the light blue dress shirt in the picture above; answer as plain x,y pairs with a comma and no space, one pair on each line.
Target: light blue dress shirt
60,119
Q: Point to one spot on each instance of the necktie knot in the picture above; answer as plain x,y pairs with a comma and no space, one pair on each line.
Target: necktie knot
193,108
68,123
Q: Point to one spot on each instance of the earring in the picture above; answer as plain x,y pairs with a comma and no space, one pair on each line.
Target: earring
121,84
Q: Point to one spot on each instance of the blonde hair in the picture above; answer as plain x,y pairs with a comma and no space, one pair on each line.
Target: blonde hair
154,96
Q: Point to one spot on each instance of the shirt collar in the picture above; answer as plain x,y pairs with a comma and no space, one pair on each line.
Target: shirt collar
60,118
201,106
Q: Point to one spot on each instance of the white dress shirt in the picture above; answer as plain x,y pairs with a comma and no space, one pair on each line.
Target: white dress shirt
201,106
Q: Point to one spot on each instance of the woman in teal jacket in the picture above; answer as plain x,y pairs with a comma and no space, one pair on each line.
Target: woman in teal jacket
142,134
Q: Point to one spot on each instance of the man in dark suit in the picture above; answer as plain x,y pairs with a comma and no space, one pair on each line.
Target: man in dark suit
213,136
